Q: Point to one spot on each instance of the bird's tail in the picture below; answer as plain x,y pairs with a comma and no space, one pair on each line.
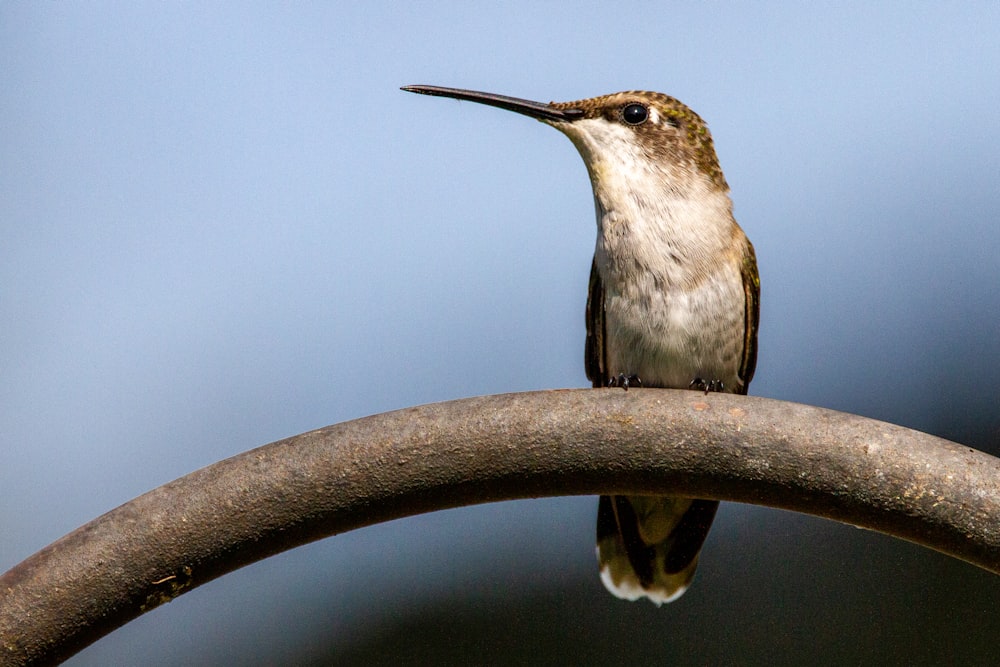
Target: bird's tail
648,546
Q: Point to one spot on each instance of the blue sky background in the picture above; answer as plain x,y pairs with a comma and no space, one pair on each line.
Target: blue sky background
223,224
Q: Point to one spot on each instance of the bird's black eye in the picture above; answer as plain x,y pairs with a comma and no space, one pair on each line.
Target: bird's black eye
635,114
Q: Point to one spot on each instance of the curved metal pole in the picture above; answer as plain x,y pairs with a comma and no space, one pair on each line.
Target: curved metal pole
753,450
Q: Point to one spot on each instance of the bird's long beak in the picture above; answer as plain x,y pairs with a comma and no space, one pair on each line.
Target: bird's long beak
539,110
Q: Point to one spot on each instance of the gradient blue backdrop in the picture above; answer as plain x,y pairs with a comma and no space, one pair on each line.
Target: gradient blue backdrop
224,224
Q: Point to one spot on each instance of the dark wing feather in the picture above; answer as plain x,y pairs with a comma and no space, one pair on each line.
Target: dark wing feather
751,289
594,360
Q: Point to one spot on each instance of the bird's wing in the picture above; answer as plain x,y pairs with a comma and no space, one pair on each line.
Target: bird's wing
594,359
751,290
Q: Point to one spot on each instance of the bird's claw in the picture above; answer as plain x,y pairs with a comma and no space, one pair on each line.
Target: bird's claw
625,381
707,385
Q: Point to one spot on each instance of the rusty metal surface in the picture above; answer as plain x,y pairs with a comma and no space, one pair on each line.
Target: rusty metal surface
861,471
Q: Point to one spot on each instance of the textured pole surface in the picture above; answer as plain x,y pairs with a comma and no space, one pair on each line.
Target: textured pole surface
840,466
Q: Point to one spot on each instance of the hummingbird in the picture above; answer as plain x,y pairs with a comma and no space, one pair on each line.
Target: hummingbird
673,299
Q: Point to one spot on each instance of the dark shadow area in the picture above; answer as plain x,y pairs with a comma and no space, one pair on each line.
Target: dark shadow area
774,588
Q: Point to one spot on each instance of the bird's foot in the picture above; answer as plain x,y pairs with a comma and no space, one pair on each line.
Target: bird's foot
707,385
625,381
